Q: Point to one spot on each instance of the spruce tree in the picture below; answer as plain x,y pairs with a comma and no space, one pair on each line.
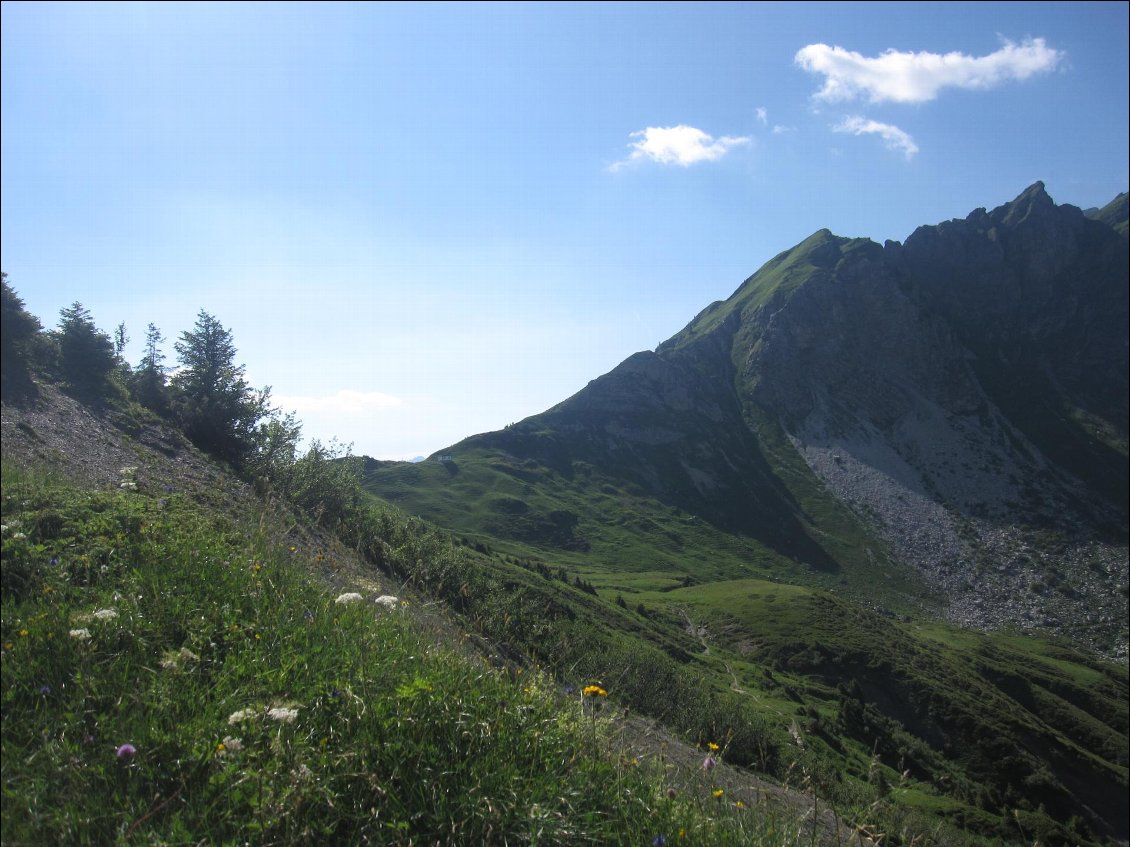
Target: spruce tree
148,380
216,407
86,354
18,330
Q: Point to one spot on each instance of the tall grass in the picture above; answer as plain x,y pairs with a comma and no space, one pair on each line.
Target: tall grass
176,676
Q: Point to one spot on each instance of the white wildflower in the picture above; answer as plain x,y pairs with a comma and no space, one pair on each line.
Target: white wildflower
80,634
388,601
282,714
243,715
349,597
229,745
105,614
173,658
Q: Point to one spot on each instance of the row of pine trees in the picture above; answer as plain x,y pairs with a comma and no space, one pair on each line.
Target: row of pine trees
206,395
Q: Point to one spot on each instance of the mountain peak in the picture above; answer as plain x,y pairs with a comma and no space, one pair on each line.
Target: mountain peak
1032,202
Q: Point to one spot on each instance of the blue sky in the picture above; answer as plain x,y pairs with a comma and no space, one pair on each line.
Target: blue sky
426,221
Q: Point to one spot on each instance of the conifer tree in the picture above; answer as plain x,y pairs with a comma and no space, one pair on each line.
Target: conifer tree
148,380
18,330
86,354
217,408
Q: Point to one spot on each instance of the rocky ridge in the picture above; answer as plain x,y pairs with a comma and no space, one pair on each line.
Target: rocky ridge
964,395
903,421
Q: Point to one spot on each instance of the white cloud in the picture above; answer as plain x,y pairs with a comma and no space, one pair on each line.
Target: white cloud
678,145
762,115
344,402
781,130
918,77
893,137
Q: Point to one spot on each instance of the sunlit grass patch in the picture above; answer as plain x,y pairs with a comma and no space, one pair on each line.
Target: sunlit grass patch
173,675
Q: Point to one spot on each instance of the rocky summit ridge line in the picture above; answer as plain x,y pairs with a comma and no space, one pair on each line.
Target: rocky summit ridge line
951,412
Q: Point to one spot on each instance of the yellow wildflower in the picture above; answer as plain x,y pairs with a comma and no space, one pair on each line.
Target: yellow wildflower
718,792
712,747
594,691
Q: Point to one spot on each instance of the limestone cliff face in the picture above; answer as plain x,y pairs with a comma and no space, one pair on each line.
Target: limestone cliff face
964,394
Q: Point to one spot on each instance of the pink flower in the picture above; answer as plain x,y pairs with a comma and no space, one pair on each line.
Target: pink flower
708,763
126,752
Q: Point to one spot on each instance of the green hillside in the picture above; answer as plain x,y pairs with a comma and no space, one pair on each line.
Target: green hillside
794,577
177,673
782,504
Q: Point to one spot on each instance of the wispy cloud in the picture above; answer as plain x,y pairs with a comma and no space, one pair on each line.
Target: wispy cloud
343,402
904,77
763,115
678,145
893,137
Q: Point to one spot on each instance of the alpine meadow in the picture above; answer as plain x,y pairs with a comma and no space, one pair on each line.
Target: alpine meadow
417,430
880,574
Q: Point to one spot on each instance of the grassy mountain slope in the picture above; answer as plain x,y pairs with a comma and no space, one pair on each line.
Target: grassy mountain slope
891,421
217,615
741,537
177,670
968,726
780,497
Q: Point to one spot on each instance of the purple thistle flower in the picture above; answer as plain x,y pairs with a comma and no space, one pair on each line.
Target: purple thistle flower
708,763
126,752
658,841
44,690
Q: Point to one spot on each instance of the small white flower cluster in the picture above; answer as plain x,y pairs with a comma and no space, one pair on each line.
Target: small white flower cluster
388,601
282,714
97,615
80,634
348,597
129,478
17,536
242,715
174,658
229,745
